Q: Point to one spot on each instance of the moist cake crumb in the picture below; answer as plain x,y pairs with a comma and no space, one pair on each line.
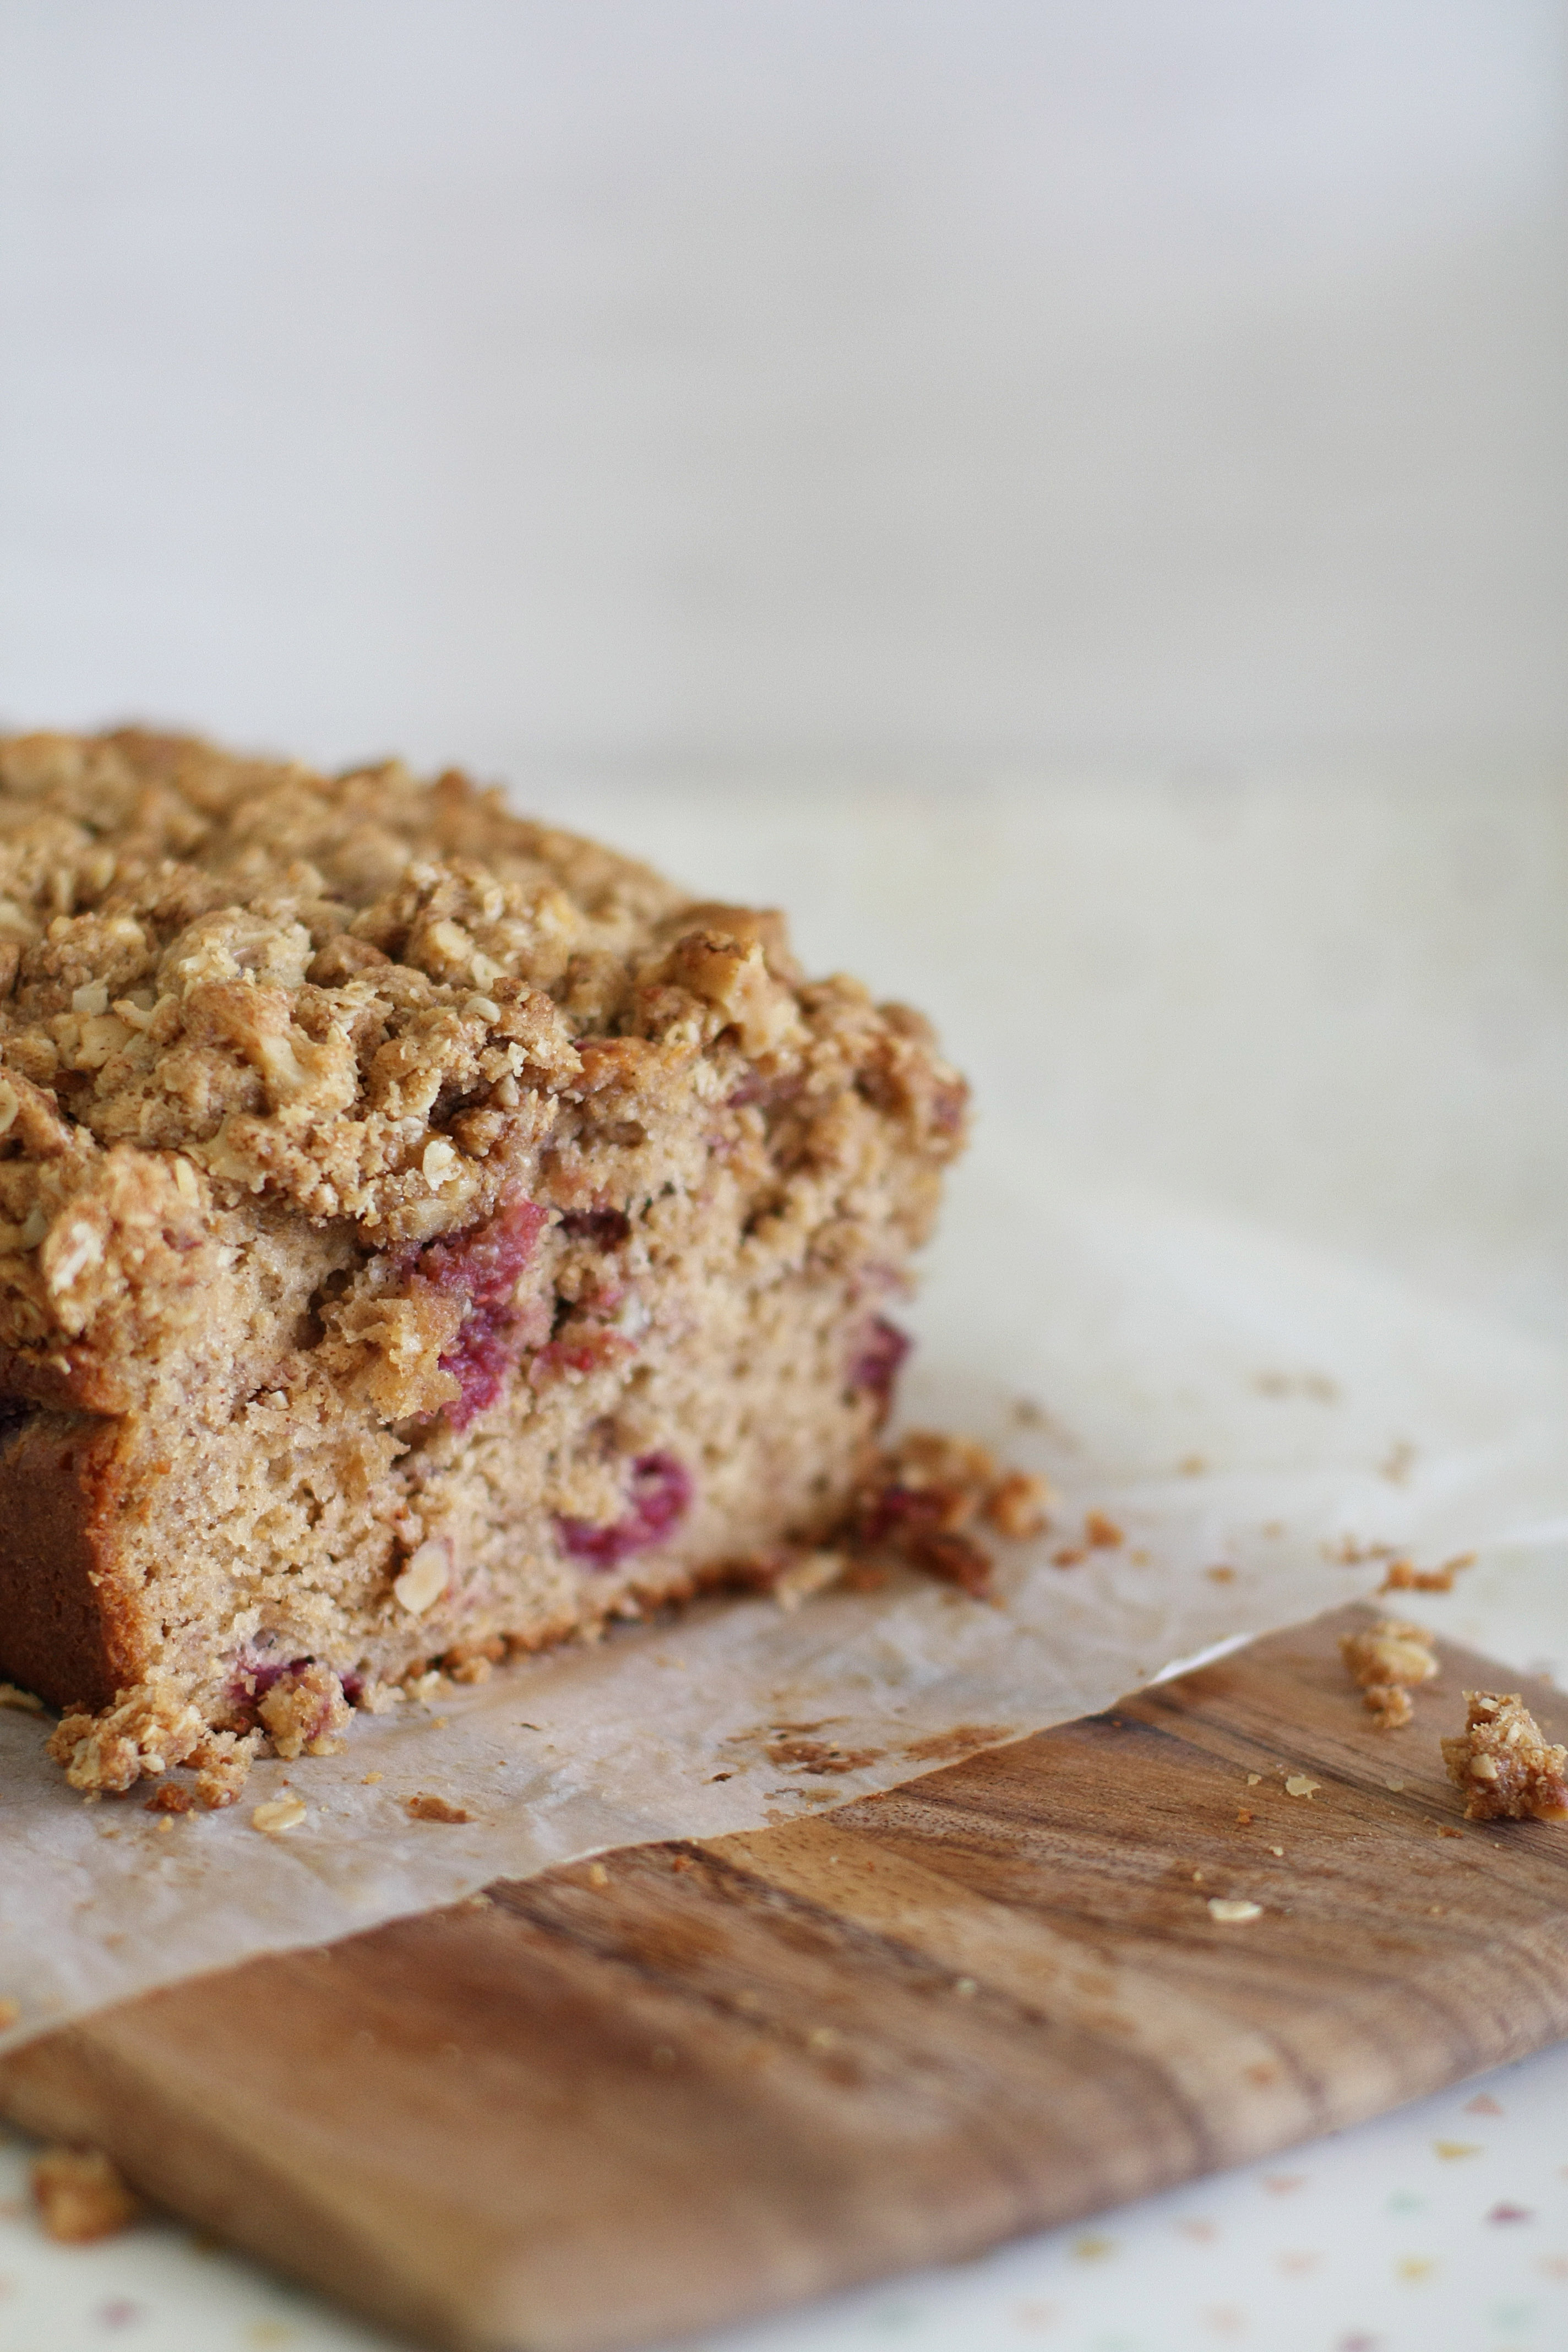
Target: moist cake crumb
1504,1765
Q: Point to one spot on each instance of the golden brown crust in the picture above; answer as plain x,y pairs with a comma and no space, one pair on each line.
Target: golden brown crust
67,1630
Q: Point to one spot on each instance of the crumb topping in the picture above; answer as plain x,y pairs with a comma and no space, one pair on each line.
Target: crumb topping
304,1712
923,1495
227,982
146,1732
1506,1768
1387,1660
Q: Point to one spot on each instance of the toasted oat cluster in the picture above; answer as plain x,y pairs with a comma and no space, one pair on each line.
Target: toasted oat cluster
1387,1661
423,1234
1506,1768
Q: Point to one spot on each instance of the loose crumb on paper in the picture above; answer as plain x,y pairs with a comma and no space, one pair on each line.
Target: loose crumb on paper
424,1808
1404,1576
278,1814
81,2196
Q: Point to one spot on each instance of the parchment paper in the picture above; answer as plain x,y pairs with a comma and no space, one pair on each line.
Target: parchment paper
1253,1417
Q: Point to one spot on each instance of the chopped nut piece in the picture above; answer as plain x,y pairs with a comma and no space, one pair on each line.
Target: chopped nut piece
81,2196
278,1814
1506,1768
434,1809
425,1578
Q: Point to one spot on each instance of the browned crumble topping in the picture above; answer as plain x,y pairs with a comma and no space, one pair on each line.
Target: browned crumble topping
1386,1660
304,1711
81,2196
1388,1704
925,1493
146,1733
1505,1767
918,1502
223,1764
171,1797
1404,1576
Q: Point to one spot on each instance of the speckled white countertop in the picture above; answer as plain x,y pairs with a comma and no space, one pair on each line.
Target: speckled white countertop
1441,2229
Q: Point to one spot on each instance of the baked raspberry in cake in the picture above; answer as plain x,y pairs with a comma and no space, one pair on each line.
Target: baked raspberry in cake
423,1234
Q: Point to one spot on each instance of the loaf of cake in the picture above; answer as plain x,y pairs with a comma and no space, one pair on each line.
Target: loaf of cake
422,1236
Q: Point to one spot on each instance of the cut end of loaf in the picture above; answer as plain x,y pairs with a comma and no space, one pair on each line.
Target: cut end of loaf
423,1234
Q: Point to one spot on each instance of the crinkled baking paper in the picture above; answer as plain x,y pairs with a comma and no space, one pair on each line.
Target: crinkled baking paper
1254,1419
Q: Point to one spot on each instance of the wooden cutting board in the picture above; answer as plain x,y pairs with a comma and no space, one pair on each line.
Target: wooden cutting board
630,2099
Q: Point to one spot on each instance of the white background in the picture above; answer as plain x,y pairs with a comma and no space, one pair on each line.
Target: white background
881,380
1072,499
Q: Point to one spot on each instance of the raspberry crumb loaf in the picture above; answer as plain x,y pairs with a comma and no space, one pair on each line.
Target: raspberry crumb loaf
423,1234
